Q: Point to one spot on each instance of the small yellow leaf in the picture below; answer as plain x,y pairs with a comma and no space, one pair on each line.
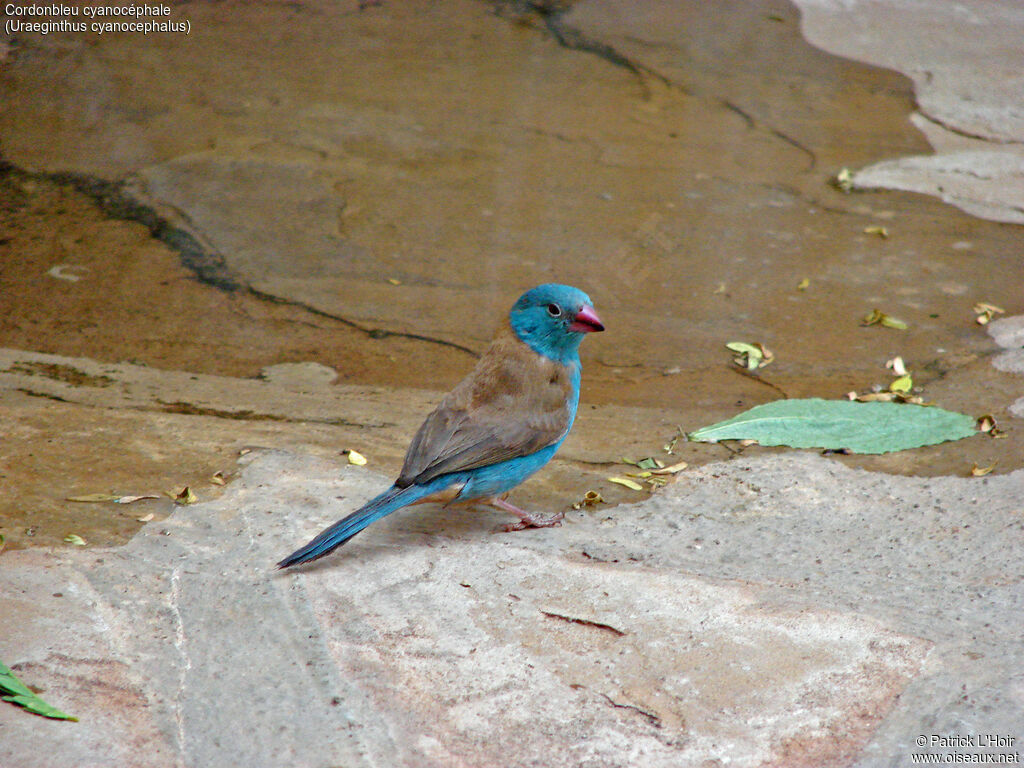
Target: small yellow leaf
632,484
902,384
92,498
590,498
393,281
803,285
672,469
218,478
74,538
877,317
977,471
184,497
354,457
880,231
720,289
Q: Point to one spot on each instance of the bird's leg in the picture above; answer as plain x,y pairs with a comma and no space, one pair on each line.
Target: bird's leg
526,519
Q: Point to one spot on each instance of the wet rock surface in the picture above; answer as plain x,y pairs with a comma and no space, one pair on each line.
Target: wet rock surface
284,235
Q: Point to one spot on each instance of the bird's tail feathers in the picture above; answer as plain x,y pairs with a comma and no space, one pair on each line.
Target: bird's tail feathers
333,537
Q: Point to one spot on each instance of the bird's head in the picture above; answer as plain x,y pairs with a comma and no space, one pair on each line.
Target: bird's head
552,319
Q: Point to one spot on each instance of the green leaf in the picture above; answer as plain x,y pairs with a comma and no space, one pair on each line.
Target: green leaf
841,424
22,695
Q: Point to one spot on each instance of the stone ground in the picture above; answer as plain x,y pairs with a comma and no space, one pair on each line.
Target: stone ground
227,252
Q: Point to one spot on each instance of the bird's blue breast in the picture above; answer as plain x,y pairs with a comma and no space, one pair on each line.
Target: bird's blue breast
497,479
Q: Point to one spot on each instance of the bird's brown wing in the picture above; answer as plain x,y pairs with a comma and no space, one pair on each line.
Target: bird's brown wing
512,404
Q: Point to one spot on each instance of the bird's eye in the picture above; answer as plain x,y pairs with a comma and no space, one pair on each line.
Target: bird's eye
554,310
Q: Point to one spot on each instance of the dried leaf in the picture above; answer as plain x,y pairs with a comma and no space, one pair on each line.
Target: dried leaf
218,478
750,356
897,366
130,499
671,470
632,484
589,499
877,317
874,397
987,424
354,457
875,230
985,312
844,179
184,497
74,538
803,285
145,518
393,281
977,471
649,463
93,498
719,289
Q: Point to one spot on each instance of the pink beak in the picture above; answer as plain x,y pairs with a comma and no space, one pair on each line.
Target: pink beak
586,321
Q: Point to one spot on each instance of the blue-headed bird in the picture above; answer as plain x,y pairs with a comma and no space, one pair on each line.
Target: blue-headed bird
498,426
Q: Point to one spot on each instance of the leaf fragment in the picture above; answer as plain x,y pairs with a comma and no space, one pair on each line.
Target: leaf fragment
897,365
217,478
844,180
631,484
987,424
20,694
671,470
185,496
74,538
985,312
977,471
878,317
590,498
146,518
902,385
394,281
94,498
354,457
882,232
130,499
3,541
803,285
750,356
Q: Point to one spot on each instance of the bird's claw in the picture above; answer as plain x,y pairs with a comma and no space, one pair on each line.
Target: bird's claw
534,521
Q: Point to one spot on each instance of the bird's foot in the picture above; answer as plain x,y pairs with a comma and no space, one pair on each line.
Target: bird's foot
526,519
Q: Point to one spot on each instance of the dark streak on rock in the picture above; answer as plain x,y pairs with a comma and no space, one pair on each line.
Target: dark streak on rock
191,409
208,267
652,718
373,333
585,622
552,13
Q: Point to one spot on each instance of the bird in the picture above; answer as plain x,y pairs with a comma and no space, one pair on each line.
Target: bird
499,425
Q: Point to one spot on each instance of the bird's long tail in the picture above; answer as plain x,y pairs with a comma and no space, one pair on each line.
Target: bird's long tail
333,537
